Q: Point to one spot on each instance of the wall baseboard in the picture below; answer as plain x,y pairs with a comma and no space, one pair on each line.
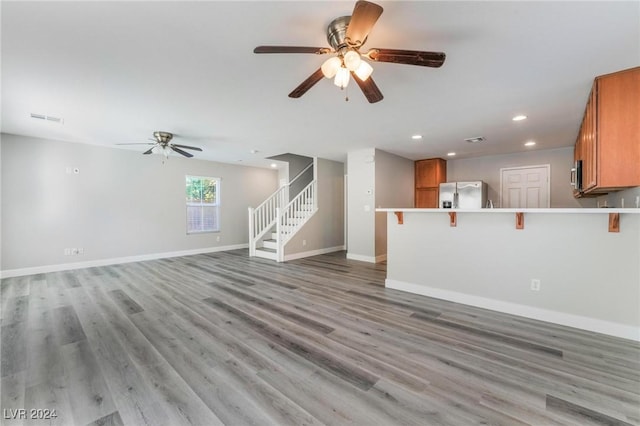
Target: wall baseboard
370,259
312,253
361,258
113,261
561,318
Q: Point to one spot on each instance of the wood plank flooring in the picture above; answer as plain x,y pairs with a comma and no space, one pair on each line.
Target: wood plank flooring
227,339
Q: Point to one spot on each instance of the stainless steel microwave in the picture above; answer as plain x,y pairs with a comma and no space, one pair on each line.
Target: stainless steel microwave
576,175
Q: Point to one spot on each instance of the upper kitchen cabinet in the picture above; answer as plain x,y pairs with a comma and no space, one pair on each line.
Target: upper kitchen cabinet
608,143
429,175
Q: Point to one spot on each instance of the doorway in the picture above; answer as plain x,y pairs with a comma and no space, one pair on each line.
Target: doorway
525,187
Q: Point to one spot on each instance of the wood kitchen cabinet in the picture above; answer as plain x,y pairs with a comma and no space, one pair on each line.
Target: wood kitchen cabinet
609,139
585,148
429,174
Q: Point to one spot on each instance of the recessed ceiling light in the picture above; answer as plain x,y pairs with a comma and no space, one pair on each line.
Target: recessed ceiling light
519,118
451,154
530,143
274,165
416,137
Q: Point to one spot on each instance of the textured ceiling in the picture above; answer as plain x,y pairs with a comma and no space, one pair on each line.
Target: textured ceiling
117,71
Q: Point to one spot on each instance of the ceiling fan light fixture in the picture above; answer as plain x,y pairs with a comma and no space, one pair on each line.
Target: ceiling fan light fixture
364,70
352,60
342,78
346,36
330,67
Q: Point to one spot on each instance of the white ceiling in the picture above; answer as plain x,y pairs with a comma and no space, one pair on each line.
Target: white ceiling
117,71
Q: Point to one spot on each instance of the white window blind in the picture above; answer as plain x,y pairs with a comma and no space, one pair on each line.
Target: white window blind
203,204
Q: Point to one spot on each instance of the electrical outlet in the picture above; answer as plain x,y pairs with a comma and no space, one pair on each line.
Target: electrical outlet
218,238
535,284
304,242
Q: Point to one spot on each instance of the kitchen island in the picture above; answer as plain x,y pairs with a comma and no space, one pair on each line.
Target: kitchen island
575,267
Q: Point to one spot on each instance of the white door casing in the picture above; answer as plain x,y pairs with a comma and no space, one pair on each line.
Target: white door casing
525,187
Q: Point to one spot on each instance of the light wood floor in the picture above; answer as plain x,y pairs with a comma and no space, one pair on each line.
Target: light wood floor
226,339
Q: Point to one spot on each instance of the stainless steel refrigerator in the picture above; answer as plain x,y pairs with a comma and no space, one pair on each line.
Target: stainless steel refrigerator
463,195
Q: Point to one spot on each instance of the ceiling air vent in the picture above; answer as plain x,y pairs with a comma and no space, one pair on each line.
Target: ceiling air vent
47,118
475,140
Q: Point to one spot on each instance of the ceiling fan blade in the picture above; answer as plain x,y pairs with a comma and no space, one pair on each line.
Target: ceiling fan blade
291,49
136,143
195,148
369,88
307,84
179,151
149,151
408,57
365,15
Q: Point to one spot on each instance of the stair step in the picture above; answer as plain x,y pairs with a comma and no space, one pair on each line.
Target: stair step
270,244
266,253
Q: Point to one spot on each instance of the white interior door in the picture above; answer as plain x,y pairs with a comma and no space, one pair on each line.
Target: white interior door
525,187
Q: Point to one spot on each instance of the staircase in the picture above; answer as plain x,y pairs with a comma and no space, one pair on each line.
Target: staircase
274,222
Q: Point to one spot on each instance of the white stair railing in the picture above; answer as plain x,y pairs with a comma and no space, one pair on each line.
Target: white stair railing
294,215
263,217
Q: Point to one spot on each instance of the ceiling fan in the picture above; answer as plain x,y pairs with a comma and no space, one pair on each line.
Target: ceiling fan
163,145
346,36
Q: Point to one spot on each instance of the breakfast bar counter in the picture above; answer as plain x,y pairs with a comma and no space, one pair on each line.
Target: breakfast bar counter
575,267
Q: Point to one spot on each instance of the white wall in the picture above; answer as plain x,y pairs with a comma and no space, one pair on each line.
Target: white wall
296,164
488,170
590,278
121,204
1,204
324,232
377,179
361,204
394,187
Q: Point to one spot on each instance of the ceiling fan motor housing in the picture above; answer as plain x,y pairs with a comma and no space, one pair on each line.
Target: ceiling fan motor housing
337,34
163,138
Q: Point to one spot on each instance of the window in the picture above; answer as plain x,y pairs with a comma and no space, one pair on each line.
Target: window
203,204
